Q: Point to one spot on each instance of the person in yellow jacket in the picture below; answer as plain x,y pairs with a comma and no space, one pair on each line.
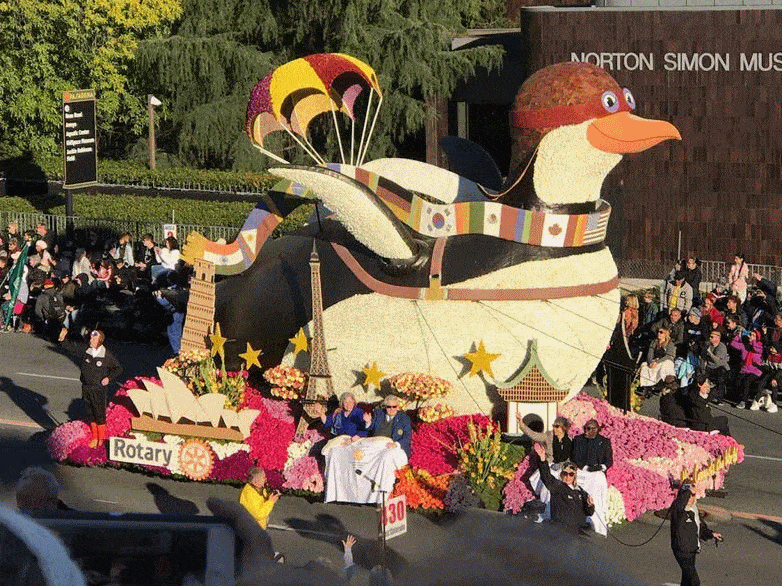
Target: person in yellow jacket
257,498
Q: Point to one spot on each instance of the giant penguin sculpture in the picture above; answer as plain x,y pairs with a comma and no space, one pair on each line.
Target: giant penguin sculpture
414,279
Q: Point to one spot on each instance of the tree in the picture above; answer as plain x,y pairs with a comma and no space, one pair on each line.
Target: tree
52,46
221,48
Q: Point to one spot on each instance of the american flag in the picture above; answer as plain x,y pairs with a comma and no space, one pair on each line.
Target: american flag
596,226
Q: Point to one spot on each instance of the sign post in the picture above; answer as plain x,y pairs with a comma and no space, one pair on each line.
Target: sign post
79,145
394,517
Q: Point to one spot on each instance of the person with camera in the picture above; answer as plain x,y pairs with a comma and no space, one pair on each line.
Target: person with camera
687,532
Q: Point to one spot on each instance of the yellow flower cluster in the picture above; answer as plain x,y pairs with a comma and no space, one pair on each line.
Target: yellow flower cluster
196,368
484,459
436,412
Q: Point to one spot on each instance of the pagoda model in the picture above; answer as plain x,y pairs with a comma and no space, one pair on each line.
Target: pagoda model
319,384
531,392
200,306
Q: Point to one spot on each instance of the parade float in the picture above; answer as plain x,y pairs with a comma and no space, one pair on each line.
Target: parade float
469,302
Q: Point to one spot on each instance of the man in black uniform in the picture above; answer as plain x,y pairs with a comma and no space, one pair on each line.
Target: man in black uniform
570,504
687,531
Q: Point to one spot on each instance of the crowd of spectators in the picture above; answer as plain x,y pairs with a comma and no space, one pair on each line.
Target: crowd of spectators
725,342
58,287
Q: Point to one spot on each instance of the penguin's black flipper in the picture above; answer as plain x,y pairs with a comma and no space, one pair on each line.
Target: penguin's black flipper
357,208
471,161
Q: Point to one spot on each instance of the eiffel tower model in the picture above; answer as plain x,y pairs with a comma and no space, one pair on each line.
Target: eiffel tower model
319,384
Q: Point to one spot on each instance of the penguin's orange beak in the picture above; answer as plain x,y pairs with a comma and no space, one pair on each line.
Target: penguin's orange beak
623,133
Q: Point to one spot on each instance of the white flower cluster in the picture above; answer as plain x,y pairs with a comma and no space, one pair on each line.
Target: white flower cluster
616,506
296,451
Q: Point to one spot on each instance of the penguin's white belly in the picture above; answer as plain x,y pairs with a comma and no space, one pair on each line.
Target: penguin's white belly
401,335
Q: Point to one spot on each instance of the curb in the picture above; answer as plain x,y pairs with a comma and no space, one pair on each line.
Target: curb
720,514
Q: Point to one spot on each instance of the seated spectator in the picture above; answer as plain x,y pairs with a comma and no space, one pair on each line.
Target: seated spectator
347,419
593,455
659,361
748,379
257,498
696,332
673,403
733,308
42,233
50,309
81,265
42,259
124,250
167,257
693,276
715,366
678,294
570,503
359,471
148,257
104,274
761,305
38,490
737,277
649,309
721,294
674,324
699,412
709,313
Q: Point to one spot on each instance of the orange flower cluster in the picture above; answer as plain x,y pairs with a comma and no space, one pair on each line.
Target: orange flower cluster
417,386
287,382
421,489
436,412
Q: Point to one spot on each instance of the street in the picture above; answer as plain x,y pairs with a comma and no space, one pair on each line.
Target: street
39,388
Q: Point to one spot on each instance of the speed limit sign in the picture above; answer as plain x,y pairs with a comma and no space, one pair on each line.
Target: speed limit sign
394,517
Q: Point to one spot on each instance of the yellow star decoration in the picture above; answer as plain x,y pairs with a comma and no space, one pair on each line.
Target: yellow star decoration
372,375
251,357
481,360
218,342
299,341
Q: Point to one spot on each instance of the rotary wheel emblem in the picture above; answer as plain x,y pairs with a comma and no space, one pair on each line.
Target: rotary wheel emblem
196,459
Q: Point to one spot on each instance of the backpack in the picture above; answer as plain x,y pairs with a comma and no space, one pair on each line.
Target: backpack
56,307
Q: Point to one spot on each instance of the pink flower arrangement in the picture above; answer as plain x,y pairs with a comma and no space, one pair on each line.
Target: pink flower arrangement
279,410
305,474
66,437
121,410
87,456
234,467
433,445
517,492
269,439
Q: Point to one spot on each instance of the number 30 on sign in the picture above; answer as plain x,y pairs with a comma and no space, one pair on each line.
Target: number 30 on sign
395,517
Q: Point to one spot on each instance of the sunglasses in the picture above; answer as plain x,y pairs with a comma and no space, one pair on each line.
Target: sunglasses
590,428
556,425
392,406
568,474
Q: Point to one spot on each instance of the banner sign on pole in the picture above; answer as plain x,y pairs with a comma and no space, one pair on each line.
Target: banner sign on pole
79,138
395,517
169,230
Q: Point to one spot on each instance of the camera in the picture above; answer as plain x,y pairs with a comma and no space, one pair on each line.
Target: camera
156,550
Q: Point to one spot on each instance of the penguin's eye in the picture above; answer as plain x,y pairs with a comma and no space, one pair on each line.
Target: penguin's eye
629,98
610,101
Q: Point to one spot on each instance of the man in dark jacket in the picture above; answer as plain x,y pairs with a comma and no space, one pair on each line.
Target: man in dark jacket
687,531
391,423
592,453
570,504
715,364
699,412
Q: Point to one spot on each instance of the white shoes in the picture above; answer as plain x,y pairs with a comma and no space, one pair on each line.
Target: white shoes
741,405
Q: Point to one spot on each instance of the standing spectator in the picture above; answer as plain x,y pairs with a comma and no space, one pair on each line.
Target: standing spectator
592,453
257,498
751,350
38,490
737,277
174,300
50,309
570,504
98,369
678,294
672,403
11,233
659,361
43,234
630,315
693,276
715,365
761,305
687,531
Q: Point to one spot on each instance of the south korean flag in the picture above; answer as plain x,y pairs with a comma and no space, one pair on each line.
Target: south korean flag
437,220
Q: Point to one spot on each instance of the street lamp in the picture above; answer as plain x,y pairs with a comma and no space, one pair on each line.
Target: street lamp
152,101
